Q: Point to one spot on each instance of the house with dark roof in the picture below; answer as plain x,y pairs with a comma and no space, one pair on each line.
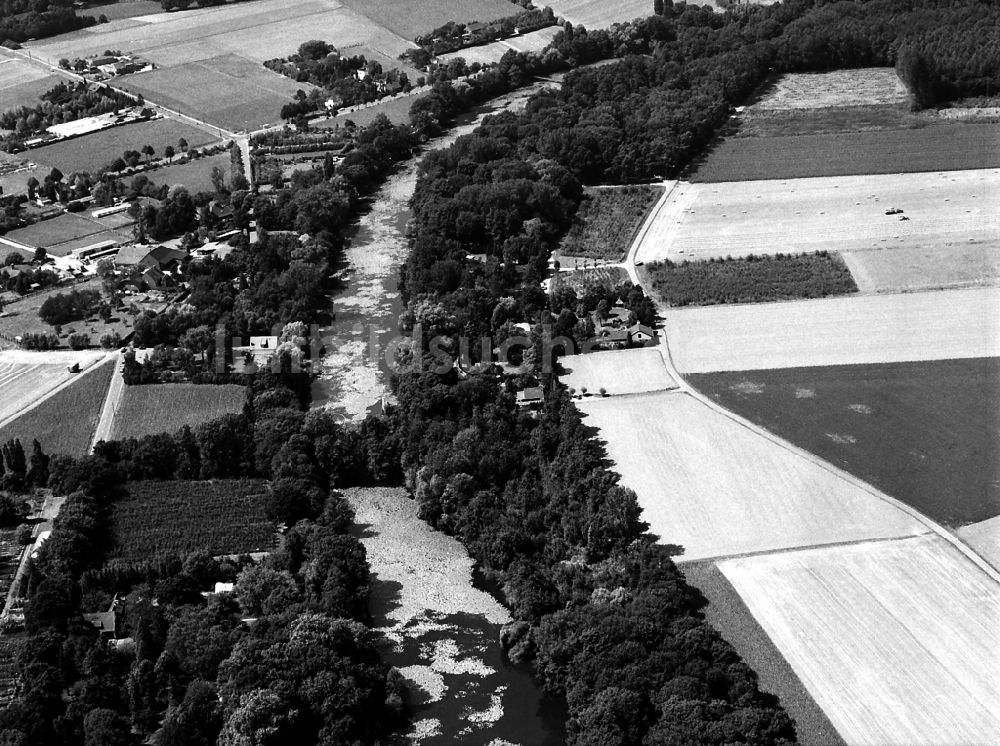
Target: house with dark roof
106,622
641,333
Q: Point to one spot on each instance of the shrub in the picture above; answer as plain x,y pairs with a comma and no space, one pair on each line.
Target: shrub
79,341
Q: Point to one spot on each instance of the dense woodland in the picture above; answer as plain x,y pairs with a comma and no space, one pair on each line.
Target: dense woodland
21,20
750,279
600,607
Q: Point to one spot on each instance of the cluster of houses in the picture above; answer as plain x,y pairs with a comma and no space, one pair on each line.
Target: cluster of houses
614,332
106,66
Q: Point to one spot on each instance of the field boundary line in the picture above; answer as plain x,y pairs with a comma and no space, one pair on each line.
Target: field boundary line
685,386
49,394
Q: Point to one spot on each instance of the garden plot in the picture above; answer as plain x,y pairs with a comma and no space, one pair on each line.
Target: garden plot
866,86
895,640
935,325
717,488
950,208
617,372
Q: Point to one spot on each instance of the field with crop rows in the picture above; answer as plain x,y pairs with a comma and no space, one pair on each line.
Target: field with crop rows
937,148
716,488
936,325
578,279
101,148
926,433
895,640
618,372
66,421
942,209
953,265
23,381
727,613
856,87
220,517
606,222
749,279
167,407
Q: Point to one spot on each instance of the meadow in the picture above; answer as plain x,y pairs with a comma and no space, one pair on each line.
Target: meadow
178,517
942,147
96,151
66,421
167,407
411,18
713,486
749,279
946,265
933,325
196,174
893,639
607,221
944,208
926,433
634,371
21,83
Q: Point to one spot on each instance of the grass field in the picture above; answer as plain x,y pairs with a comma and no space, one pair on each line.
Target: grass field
195,174
411,18
895,640
101,148
935,325
607,220
167,407
984,537
727,613
749,280
397,110
21,83
716,488
596,14
65,422
925,433
534,41
26,377
220,517
578,279
484,54
857,87
952,265
618,372
939,148
54,233
944,209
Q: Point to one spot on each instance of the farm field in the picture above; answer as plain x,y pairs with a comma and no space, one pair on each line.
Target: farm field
66,421
895,640
944,209
727,613
606,222
633,371
856,87
984,537
25,377
926,433
596,14
167,407
130,9
716,488
579,279
21,83
95,151
178,517
397,110
484,54
534,41
892,270
411,18
53,232
935,325
195,174
935,148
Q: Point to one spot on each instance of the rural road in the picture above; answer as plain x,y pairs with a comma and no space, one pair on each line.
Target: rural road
647,233
112,402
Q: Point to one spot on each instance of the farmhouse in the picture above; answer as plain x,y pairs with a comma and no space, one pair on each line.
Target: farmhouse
641,333
105,622
143,257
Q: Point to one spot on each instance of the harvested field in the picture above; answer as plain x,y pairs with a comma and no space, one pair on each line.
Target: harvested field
716,488
579,279
925,268
21,83
895,640
749,280
596,14
411,18
95,151
26,377
167,407
984,537
944,209
233,93
857,87
754,122
618,372
66,421
178,517
938,148
926,433
607,222
936,325
727,613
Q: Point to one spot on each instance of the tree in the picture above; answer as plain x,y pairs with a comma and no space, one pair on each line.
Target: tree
169,152
262,718
182,144
197,720
148,151
103,727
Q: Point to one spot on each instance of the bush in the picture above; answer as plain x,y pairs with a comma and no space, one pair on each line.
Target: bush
79,341
112,341
72,306
40,341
